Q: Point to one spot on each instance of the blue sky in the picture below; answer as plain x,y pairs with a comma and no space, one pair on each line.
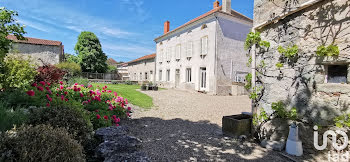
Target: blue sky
126,28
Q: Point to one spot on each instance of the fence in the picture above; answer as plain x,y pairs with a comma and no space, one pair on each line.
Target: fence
102,76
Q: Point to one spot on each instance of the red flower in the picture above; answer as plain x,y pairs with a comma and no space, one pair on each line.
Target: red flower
61,82
105,117
117,125
47,88
48,104
40,88
89,86
66,99
62,97
115,94
65,93
34,85
81,95
42,83
49,91
31,93
49,84
129,108
98,116
76,84
96,110
109,91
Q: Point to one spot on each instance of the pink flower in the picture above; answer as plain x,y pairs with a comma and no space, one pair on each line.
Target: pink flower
81,95
49,84
42,83
85,102
109,91
31,93
89,86
61,82
47,88
82,85
62,97
115,94
105,117
40,88
66,99
48,97
117,125
126,101
48,104
129,108
34,85
61,87
98,116
49,91
76,84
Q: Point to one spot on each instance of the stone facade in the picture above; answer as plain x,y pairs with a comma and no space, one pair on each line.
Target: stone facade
181,63
142,69
305,83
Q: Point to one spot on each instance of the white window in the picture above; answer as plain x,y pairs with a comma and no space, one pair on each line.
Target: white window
160,56
168,54
168,75
160,75
189,49
178,52
188,75
204,45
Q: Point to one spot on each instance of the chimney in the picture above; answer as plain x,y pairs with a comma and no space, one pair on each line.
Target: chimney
226,6
216,4
166,27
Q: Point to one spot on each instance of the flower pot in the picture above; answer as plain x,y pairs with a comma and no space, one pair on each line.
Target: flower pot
155,88
237,125
143,88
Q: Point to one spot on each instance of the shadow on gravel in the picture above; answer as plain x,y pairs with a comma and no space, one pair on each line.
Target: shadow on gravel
183,140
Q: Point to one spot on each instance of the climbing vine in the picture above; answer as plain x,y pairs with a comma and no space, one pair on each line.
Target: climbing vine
331,50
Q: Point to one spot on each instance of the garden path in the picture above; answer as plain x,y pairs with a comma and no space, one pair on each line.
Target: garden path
186,126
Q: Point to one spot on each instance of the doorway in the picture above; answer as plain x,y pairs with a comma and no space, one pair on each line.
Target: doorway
177,78
203,79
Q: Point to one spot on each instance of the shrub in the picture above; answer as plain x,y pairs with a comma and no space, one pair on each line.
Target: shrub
16,98
80,80
72,69
49,74
41,143
112,69
331,50
10,117
18,73
75,121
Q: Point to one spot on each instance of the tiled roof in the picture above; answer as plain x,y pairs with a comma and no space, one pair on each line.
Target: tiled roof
144,58
111,61
218,9
35,41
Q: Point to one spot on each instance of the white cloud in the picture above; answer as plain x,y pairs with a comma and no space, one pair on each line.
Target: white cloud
129,48
33,25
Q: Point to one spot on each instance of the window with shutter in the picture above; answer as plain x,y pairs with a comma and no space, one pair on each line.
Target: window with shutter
178,52
168,54
189,49
160,59
204,45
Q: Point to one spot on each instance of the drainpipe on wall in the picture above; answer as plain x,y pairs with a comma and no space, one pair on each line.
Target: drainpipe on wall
216,56
253,54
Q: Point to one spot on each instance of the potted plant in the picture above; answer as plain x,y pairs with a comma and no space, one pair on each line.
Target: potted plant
143,87
155,87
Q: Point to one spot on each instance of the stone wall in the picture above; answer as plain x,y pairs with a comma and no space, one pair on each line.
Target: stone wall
39,53
303,84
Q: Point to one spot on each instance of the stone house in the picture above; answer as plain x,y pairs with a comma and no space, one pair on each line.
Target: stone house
205,54
142,69
317,85
123,71
38,50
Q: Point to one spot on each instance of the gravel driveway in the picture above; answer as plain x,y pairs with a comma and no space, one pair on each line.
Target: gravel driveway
186,126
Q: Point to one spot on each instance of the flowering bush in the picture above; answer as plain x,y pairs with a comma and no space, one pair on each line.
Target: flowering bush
49,74
104,107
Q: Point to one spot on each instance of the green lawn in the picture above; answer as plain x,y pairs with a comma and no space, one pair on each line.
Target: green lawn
129,91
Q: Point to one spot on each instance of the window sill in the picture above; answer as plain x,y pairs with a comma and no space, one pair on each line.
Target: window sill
333,88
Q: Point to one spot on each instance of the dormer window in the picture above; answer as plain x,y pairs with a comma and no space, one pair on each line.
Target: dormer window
337,74
204,26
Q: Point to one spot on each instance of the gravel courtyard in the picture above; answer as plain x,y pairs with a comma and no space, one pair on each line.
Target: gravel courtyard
186,126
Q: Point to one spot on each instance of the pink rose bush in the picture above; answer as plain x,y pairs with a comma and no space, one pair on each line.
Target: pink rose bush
103,106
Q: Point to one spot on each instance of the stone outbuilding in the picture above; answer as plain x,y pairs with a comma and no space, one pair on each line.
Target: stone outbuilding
205,54
40,51
314,82
142,69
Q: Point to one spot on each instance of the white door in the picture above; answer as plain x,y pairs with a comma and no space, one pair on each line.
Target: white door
177,78
203,79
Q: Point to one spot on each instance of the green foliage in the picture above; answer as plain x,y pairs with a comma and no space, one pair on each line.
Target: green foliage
252,38
75,121
331,50
279,65
342,121
261,117
265,44
262,64
248,80
19,73
10,117
289,52
91,56
40,143
80,80
249,63
71,58
254,94
281,112
72,69
17,98
112,69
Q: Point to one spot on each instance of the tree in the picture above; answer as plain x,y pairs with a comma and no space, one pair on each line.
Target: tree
8,26
71,58
90,54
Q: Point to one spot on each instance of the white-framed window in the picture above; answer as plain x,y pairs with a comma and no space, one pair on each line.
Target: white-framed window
160,56
160,75
189,49
168,75
188,75
168,54
204,45
178,52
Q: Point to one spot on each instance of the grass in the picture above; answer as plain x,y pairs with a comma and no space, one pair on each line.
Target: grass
130,92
